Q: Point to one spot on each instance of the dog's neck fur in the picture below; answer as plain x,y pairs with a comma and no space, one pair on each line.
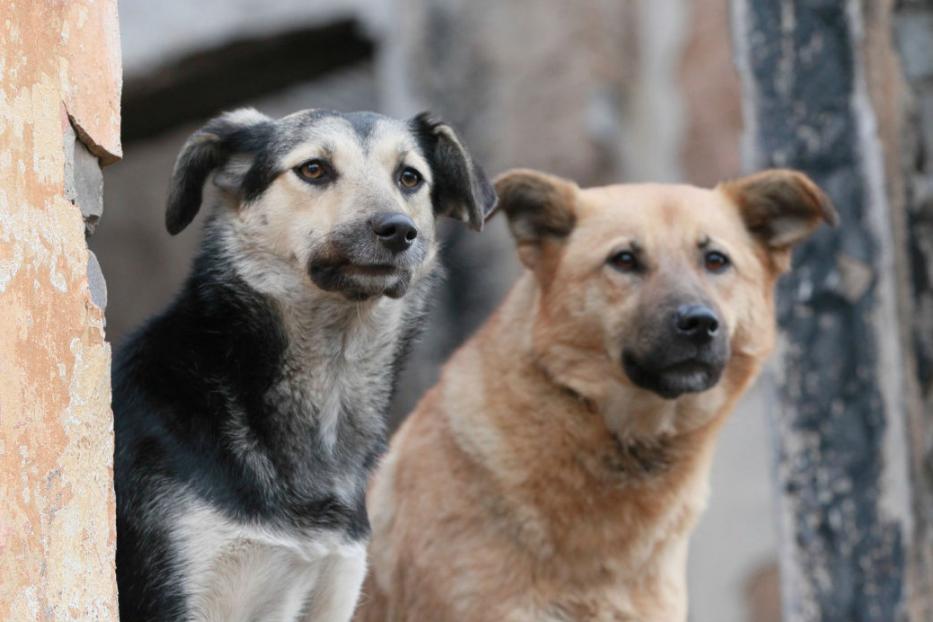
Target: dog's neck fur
644,489
339,352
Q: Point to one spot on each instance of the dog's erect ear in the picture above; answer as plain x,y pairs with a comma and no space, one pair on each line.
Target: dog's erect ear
540,209
780,207
461,189
208,149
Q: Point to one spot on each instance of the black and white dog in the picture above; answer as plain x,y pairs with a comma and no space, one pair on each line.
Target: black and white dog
249,414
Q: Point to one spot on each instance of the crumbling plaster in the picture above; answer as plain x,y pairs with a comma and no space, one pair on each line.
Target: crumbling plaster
59,79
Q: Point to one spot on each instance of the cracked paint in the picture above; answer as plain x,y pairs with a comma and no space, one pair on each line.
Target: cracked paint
60,67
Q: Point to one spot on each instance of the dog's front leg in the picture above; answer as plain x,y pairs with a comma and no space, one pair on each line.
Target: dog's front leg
334,596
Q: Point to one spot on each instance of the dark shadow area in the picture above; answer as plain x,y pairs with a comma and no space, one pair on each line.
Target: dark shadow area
196,86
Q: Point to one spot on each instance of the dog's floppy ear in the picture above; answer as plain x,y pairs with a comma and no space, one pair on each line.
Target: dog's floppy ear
461,189
208,149
540,209
780,207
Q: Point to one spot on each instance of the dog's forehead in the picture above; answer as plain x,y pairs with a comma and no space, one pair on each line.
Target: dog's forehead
365,131
658,212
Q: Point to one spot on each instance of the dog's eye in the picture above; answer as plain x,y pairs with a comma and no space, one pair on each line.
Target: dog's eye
625,261
714,261
314,171
409,178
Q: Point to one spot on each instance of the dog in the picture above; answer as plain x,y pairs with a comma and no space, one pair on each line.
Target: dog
249,413
555,471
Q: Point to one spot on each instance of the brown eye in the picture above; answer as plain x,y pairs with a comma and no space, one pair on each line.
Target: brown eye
625,261
409,178
714,261
314,171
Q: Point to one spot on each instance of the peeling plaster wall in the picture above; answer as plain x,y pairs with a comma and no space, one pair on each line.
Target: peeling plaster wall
59,120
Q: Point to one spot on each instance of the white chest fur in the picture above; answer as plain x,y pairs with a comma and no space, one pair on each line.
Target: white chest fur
243,573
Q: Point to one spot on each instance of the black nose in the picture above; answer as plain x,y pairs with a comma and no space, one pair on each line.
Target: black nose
697,322
395,231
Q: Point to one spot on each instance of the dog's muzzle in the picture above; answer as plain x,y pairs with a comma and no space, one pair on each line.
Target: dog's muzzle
686,353
374,257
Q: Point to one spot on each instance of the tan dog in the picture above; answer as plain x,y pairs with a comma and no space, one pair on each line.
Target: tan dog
558,467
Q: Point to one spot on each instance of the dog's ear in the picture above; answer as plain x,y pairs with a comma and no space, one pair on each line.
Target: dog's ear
461,189
780,207
540,209
207,150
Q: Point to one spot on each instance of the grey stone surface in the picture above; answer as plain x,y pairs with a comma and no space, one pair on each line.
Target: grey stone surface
914,32
84,180
95,281
89,184
84,187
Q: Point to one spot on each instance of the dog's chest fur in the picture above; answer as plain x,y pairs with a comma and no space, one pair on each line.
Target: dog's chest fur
239,572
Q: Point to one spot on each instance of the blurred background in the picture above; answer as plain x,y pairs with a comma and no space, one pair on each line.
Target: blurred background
599,91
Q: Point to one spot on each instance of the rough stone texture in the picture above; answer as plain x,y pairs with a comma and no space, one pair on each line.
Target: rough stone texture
84,180
95,282
59,67
822,94
913,28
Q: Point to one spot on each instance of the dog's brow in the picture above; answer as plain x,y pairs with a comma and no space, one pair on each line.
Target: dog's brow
328,150
704,241
403,154
307,151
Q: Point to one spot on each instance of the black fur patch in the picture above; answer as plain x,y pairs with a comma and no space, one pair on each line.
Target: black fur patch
206,150
461,188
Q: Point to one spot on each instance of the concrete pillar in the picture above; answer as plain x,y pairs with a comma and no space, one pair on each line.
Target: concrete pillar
59,122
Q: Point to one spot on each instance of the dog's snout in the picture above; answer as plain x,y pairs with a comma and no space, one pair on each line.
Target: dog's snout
396,231
696,322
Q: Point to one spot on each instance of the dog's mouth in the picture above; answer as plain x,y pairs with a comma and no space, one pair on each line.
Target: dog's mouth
370,269
360,281
353,262
669,379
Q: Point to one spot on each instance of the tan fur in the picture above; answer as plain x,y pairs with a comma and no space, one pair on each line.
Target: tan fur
535,482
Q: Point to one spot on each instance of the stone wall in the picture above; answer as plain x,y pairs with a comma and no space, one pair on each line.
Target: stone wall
59,121
825,92
913,31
